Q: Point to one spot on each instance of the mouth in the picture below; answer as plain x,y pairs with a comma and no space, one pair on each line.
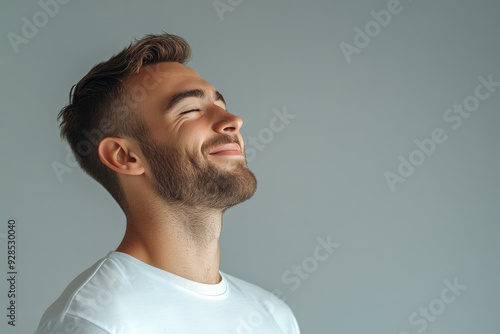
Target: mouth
227,149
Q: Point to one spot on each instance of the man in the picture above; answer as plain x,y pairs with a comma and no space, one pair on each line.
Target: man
160,140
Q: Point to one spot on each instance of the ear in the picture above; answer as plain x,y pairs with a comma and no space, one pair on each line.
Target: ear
119,155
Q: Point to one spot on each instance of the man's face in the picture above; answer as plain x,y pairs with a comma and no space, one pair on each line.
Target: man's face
188,127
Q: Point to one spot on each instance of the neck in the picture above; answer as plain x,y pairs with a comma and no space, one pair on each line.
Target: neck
181,240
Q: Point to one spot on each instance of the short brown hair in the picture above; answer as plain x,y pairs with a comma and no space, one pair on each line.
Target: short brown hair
99,105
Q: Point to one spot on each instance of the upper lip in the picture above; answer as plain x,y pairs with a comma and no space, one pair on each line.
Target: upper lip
227,147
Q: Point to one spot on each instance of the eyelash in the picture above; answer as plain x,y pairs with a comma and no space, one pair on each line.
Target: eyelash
188,111
185,112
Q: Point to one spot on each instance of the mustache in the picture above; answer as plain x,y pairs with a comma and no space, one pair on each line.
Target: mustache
215,142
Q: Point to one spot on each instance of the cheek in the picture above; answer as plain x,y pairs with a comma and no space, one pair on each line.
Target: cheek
192,136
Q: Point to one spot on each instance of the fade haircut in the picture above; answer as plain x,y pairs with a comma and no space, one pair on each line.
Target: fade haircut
100,106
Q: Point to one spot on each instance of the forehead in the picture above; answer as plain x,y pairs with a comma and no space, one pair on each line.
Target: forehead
155,84
166,76
164,70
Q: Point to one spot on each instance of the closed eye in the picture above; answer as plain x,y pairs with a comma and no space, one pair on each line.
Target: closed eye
185,112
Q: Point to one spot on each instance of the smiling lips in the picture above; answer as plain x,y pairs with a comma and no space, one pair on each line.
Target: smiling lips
227,149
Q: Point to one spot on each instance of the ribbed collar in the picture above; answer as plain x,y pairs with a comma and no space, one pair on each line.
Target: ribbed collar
203,289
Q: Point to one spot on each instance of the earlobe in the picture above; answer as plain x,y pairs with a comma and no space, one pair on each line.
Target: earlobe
117,154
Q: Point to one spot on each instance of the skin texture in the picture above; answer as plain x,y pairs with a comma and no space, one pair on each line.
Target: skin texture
177,191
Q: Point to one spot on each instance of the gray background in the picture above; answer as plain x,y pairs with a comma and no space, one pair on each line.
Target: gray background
323,175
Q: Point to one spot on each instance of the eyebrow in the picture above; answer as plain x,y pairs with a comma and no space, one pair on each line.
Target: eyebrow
198,93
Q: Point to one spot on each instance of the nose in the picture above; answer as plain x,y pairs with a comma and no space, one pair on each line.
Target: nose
225,122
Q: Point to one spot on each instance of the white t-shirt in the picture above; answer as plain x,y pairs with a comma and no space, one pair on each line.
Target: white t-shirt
120,294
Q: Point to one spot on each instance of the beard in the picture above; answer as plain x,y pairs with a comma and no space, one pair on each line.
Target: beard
187,179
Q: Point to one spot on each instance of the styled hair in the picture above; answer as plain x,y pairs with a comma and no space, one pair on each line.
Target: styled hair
101,106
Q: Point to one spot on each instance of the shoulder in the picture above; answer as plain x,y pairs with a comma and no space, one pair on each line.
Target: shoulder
65,323
280,311
86,300
252,291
